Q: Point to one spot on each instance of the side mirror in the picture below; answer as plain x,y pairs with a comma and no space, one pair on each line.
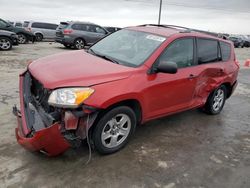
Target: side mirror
166,67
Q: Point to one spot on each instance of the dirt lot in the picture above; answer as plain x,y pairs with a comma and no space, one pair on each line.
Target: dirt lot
189,149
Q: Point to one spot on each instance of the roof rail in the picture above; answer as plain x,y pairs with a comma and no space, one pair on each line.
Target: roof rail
184,29
165,26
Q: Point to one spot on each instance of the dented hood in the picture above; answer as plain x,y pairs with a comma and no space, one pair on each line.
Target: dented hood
77,68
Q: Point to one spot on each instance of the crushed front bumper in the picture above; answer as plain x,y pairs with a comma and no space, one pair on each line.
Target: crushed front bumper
48,139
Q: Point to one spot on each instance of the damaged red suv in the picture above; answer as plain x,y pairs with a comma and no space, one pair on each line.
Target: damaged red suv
129,77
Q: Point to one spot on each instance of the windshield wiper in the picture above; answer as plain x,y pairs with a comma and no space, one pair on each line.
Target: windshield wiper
102,56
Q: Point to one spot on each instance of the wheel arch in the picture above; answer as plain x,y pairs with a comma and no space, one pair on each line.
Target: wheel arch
228,87
134,104
38,32
4,36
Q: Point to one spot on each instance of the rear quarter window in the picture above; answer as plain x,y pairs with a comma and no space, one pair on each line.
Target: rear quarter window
225,51
208,51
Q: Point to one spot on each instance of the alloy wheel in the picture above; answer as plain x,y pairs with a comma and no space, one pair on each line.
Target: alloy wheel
218,99
21,38
79,44
116,131
5,44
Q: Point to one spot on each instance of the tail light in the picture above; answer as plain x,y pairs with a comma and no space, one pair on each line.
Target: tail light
28,29
67,31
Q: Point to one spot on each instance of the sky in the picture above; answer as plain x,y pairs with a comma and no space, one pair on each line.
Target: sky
228,16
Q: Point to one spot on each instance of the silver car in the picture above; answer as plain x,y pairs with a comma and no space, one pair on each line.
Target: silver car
41,30
79,34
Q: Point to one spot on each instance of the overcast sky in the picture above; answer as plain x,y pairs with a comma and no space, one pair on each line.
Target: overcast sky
232,16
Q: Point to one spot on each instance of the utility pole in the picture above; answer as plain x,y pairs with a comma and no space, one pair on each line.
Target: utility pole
159,19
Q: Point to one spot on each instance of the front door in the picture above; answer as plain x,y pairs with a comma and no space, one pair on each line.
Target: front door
169,93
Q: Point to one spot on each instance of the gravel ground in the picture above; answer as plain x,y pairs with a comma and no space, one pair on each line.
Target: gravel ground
189,149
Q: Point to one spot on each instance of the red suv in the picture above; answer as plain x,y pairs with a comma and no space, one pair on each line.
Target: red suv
129,77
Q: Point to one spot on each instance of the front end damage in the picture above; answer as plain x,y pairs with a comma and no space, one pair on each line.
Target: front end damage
48,129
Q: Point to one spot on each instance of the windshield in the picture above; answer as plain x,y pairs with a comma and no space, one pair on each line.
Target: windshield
127,47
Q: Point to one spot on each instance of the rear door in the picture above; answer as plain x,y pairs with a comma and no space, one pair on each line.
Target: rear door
51,30
169,93
213,68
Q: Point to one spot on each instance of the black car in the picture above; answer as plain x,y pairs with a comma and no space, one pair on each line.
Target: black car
238,42
246,41
112,29
23,35
7,39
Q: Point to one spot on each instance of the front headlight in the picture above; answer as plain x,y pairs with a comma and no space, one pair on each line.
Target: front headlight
69,97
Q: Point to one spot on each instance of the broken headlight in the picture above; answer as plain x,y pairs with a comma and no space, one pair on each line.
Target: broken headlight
69,97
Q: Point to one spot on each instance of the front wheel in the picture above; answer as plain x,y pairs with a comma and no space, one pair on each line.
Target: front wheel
216,100
5,43
114,130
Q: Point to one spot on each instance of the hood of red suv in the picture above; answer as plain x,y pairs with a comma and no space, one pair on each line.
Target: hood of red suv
77,68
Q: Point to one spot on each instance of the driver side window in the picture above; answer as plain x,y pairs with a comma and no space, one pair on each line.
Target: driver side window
181,52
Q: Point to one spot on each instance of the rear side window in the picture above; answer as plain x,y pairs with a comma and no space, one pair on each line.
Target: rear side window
44,25
208,51
181,52
80,27
225,51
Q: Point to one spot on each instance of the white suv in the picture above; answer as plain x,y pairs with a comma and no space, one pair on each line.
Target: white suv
41,30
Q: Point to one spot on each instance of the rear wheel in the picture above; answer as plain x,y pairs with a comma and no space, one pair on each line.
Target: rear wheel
114,130
216,100
5,43
22,39
79,44
39,37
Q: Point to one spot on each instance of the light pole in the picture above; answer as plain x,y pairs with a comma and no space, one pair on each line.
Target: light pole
159,19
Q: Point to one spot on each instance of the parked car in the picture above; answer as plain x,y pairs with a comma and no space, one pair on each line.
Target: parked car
7,40
246,40
79,34
16,24
23,35
112,29
41,30
238,42
129,77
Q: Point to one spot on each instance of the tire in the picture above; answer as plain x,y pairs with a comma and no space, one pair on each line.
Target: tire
110,135
22,39
39,37
79,44
5,43
216,101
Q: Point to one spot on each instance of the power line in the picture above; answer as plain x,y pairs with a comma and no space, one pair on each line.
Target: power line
193,6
